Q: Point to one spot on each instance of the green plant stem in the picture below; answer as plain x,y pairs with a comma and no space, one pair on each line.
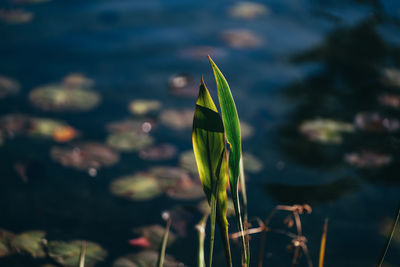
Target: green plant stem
212,226
396,219
236,204
323,245
161,254
201,233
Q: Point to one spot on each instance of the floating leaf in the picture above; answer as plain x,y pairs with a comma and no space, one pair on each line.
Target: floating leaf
246,130
62,98
68,253
30,242
137,126
391,77
183,85
390,100
325,131
210,152
15,16
49,128
5,243
14,124
143,107
368,159
77,80
251,163
201,52
248,10
374,122
141,186
85,156
169,176
241,39
187,161
145,259
160,152
154,234
129,141
177,119
8,87
186,189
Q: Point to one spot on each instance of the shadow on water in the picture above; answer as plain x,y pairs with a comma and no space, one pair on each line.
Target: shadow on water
349,81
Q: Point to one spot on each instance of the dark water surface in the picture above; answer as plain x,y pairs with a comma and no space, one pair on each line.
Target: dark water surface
314,59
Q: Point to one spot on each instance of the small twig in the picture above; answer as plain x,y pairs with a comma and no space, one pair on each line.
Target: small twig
161,255
323,244
305,250
295,256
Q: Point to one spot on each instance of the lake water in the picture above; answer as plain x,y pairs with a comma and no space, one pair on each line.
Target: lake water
287,63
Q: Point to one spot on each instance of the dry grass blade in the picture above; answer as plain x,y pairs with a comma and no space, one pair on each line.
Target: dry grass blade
323,245
83,253
396,219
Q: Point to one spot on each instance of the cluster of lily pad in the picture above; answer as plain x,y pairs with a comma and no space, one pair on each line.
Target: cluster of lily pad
74,93
12,125
330,131
174,182
63,253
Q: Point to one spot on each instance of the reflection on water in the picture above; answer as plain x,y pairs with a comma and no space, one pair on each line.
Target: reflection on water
96,107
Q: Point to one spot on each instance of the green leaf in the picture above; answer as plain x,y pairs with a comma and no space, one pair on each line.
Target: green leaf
231,124
210,153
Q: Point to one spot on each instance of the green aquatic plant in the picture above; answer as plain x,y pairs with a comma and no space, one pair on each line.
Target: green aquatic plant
211,132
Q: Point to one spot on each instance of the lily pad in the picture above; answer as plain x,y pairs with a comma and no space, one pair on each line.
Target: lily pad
241,39
67,253
391,77
141,186
177,119
146,258
144,107
246,129
168,177
183,85
49,128
154,234
186,189
129,141
201,52
15,16
128,125
248,10
8,87
160,152
368,159
5,243
390,100
31,242
374,122
14,124
325,131
85,156
77,80
63,98
251,163
187,161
